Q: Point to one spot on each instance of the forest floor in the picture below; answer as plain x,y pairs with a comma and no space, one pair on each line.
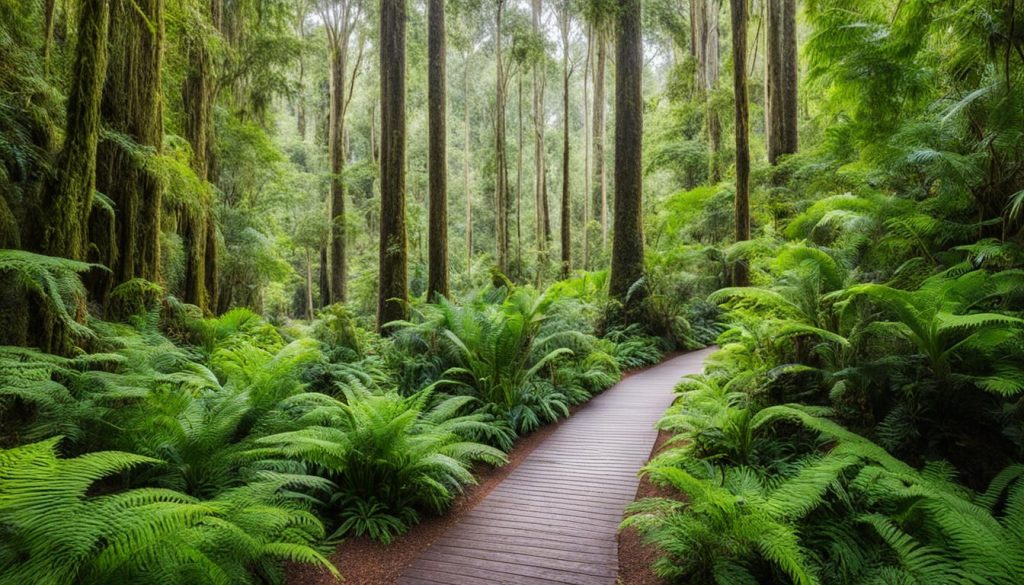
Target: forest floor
363,561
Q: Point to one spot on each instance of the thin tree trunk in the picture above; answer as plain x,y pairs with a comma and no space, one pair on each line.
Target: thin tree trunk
519,174
336,147
437,283
628,246
309,286
739,75
501,187
713,60
586,148
465,168
393,294
600,171
790,106
538,151
325,281
566,203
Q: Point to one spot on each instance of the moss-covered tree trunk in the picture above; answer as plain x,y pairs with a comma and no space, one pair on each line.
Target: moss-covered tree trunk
393,293
133,107
739,77
437,282
540,199
67,198
197,96
628,244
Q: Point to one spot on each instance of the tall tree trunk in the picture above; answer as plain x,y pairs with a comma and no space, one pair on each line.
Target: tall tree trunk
393,293
309,286
739,76
336,146
197,96
465,167
586,148
519,175
780,79
67,198
325,279
132,105
538,152
566,203
49,14
712,64
501,187
437,283
791,142
628,246
600,172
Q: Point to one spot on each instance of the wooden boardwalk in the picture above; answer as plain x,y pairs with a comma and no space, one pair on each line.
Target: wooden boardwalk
554,519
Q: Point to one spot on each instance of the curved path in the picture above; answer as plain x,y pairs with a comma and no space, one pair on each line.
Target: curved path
554,519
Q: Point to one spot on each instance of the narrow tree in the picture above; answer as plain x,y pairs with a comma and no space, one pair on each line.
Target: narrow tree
67,198
628,245
393,293
465,165
780,79
739,77
566,231
437,283
339,18
704,48
539,187
586,147
501,178
132,106
600,198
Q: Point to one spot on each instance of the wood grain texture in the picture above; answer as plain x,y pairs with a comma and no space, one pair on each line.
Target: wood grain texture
554,519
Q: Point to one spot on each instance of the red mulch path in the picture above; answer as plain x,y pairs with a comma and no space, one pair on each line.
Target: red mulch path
636,557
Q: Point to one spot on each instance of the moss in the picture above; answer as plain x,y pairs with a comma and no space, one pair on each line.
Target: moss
134,298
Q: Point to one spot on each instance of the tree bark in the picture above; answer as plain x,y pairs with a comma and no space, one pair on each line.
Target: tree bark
538,152
393,293
780,79
67,198
437,282
501,183
586,148
132,105
336,146
739,76
600,171
465,168
628,245
566,231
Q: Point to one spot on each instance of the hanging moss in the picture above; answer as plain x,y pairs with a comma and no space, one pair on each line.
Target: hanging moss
67,198
127,171
134,298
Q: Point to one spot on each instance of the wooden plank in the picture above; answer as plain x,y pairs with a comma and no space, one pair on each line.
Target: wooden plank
554,519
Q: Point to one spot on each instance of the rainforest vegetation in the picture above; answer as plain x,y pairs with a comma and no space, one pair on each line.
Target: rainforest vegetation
277,273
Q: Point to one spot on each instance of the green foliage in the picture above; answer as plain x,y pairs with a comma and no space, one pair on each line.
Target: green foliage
390,457
57,531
